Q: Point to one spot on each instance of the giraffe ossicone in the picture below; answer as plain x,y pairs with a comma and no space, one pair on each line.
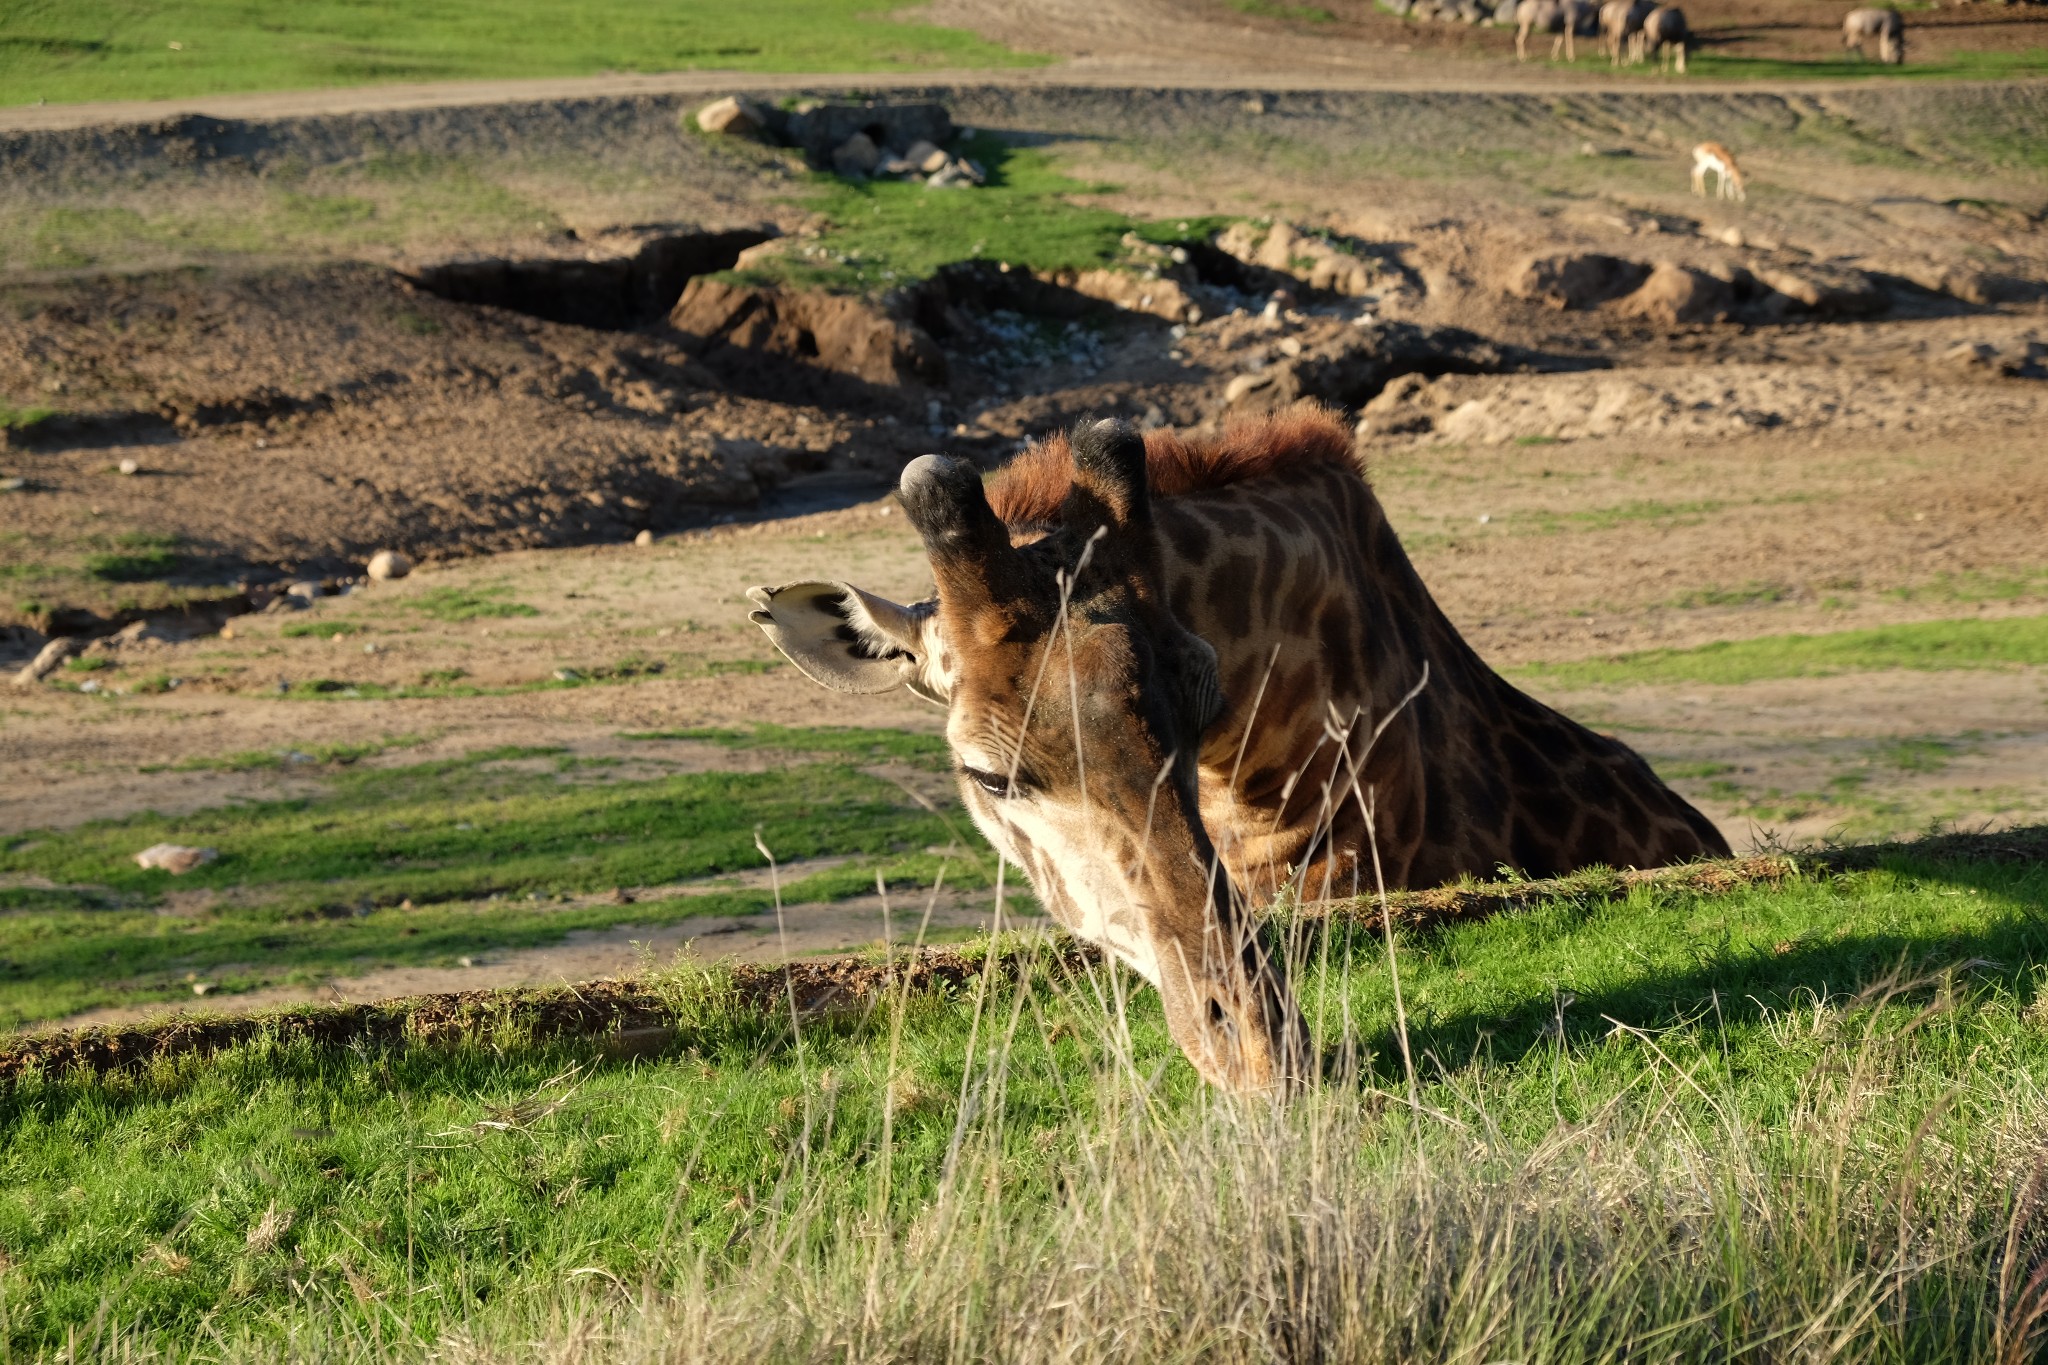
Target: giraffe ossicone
1181,676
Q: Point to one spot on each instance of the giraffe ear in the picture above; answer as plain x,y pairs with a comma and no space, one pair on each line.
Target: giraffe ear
1109,470
845,639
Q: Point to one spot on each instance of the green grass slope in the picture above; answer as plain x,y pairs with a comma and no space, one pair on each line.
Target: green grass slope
1672,1126
423,863
66,50
2010,642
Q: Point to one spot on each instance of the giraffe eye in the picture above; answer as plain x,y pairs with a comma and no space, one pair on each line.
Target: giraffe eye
995,784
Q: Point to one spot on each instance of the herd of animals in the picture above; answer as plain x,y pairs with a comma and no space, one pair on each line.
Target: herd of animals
1637,30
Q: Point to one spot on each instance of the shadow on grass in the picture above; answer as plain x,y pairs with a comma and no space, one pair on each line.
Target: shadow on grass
1735,985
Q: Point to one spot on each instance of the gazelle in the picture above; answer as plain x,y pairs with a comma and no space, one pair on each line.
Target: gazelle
1883,24
1712,157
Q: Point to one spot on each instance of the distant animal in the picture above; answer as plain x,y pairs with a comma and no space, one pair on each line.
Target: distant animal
1620,22
1885,25
1712,157
1565,18
1664,34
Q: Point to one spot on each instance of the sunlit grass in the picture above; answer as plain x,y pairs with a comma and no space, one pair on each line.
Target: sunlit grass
2011,642
108,49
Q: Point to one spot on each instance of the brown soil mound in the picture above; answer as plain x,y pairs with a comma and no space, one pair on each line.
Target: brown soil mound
755,335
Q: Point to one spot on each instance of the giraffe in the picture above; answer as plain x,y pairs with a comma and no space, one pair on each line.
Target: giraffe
1183,674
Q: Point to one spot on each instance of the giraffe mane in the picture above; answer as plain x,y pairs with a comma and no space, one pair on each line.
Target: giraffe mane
1030,489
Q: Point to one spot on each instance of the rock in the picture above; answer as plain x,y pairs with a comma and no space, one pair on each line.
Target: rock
567,675
1972,355
46,661
307,589
176,859
389,564
819,129
1161,298
925,156
1673,295
644,539
1316,261
725,323
1832,292
735,116
130,467
143,634
1576,280
1245,385
856,157
13,483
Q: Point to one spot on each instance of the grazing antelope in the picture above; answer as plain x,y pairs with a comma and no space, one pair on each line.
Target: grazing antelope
1540,16
1885,25
1665,34
1565,18
1620,21
1183,673
1713,157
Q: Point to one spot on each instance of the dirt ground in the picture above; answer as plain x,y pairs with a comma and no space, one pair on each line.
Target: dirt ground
1573,481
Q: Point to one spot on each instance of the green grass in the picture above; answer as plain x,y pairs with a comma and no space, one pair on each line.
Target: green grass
12,417
886,233
322,630
1672,1127
1975,66
1976,586
468,604
124,49
1277,9
2012,642
309,887
141,558
874,745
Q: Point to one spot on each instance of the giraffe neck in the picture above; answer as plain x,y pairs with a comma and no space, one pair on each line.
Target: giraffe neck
1322,628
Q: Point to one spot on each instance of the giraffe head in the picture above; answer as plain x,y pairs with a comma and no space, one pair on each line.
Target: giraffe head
1076,704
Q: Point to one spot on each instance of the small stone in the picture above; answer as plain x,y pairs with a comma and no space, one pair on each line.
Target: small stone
89,686
1485,518
307,589
129,467
176,859
387,564
644,539
201,987
1245,385
227,632
735,116
45,663
567,675
13,483
857,156
925,157
465,961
